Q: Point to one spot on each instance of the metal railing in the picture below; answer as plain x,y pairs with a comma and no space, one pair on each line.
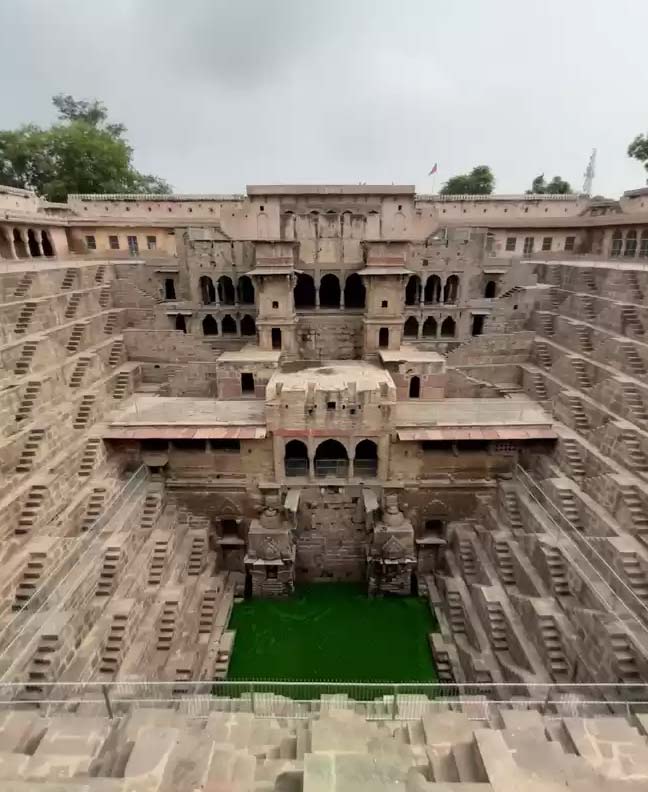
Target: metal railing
374,700
335,468
296,467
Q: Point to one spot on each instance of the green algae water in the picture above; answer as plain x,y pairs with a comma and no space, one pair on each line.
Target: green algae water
333,631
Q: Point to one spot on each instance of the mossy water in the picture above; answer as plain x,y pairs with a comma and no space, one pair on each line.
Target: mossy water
333,631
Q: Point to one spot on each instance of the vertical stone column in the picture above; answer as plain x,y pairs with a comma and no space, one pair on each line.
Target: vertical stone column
25,241
39,244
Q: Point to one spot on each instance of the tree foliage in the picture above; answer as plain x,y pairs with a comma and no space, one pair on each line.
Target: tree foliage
638,150
480,181
81,153
557,186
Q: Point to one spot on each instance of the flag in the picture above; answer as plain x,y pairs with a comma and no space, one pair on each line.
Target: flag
434,170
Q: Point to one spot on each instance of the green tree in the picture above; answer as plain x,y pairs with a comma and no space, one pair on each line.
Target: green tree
557,186
81,153
480,181
638,150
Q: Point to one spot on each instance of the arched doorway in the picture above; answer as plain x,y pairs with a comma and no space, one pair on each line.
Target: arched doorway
617,243
296,458
478,324
413,291
489,291
169,289
448,327
415,388
248,326
245,290
180,323
329,292
383,338
228,325
19,244
354,292
410,328
451,289
207,291
46,242
210,326
304,291
275,336
34,247
432,292
365,464
225,290
331,459
430,327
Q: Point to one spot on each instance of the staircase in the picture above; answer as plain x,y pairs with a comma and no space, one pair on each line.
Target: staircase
554,298
94,507
30,450
539,387
584,339
633,359
196,555
546,321
23,364
588,308
557,571
497,626
573,457
543,355
158,561
456,613
79,371
635,456
28,401
99,274
207,612
553,646
634,402
167,626
30,579
72,306
587,277
504,562
104,297
41,668
627,669
580,370
33,505
578,414
68,280
512,510
630,320
151,509
444,668
24,318
84,412
89,458
75,338
634,505
569,508
553,275
635,574
635,288
116,353
106,582
111,323
24,285
111,655
122,383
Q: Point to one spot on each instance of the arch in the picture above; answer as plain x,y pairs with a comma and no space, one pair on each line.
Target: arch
617,243
207,291
410,329
430,327
331,459
180,323
329,291
245,289
413,290
248,326
432,292
19,244
225,290
643,245
34,247
415,387
169,289
210,326
490,290
5,247
275,337
46,242
304,291
630,248
451,289
366,459
383,338
295,458
448,327
354,292
228,325
478,324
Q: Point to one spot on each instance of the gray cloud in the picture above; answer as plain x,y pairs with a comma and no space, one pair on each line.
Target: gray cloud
218,94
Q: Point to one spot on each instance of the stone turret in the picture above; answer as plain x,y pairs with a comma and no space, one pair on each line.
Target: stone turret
270,559
391,558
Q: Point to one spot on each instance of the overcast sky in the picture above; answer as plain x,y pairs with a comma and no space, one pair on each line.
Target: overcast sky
217,94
